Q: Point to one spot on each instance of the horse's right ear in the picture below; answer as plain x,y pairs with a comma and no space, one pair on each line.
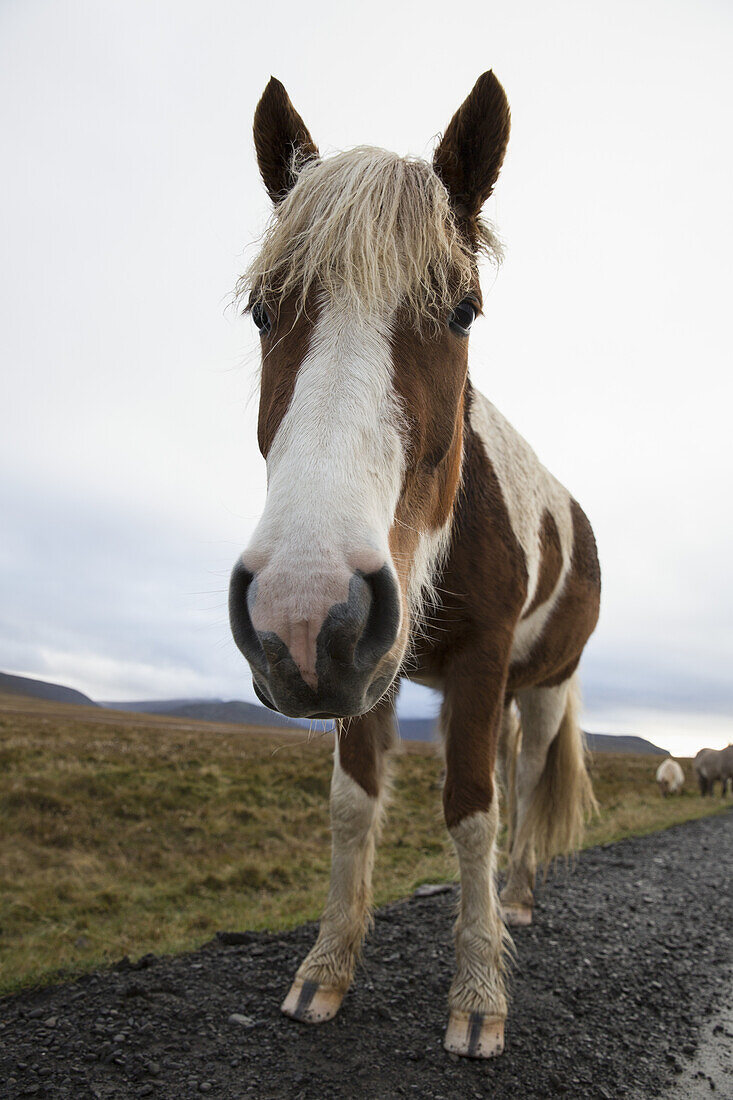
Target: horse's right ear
281,138
470,154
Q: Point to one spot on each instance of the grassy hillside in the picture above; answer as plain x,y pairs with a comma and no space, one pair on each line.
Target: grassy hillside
125,833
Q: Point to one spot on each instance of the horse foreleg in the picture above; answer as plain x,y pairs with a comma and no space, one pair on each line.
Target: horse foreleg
471,719
357,787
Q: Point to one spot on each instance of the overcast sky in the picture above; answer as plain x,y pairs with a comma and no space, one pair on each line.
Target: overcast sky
129,473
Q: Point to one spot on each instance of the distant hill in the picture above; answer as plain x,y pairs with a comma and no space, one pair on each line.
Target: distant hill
252,714
214,710
418,729
156,706
243,714
424,729
43,689
240,713
621,742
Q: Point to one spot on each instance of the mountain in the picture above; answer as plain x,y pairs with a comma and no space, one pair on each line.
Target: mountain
240,713
418,729
622,742
252,714
156,706
425,729
243,714
43,689
214,710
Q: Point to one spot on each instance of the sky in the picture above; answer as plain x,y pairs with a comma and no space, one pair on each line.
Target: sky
130,478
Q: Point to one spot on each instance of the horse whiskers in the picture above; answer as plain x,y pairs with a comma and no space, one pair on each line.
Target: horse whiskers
450,592
311,734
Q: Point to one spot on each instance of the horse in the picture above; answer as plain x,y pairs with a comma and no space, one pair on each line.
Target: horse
408,531
711,765
670,777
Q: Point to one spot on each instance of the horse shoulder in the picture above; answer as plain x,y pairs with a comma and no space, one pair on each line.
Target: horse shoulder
482,585
521,578
562,598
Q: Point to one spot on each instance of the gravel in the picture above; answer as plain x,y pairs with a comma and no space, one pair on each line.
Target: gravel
619,989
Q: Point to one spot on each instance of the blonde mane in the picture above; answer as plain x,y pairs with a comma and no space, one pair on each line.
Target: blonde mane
369,230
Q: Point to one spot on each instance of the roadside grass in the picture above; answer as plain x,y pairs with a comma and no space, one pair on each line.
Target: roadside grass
122,834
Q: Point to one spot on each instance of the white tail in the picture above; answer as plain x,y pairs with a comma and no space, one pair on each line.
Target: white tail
563,799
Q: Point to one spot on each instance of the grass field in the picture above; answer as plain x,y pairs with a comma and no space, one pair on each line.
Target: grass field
123,833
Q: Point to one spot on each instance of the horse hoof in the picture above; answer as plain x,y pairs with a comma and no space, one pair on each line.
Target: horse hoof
518,916
311,1003
474,1035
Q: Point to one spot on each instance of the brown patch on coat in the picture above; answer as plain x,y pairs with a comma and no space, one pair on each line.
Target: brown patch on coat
471,718
283,351
556,653
363,743
551,563
429,381
281,137
484,579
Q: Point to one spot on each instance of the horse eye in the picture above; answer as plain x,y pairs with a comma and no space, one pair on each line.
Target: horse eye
261,318
463,317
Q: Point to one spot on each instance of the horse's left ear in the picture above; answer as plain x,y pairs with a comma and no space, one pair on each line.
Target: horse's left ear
470,154
281,137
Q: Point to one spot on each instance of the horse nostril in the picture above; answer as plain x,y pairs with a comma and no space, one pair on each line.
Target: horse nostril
383,621
240,620
358,632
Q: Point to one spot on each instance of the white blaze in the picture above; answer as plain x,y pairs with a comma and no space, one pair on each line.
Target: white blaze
335,467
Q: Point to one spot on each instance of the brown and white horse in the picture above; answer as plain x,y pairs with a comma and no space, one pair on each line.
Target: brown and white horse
408,531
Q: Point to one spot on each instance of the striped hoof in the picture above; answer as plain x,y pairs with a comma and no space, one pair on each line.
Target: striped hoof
474,1035
518,916
311,1003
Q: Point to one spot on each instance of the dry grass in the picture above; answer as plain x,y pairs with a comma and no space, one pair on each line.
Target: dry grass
123,833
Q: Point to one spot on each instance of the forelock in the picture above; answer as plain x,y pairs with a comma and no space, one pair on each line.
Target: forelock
371,231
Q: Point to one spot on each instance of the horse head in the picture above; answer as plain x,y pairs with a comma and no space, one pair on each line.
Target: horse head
364,292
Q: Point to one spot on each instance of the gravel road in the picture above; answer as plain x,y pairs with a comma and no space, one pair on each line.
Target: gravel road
622,988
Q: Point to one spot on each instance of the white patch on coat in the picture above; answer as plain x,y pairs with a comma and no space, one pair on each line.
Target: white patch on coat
335,467
430,553
355,819
528,490
478,985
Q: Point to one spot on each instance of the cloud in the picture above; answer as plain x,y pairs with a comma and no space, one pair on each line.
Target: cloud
119,604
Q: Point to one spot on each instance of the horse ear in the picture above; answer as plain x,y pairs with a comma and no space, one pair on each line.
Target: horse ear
281,137
470,154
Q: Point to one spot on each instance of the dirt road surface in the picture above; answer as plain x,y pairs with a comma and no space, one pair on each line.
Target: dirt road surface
621,988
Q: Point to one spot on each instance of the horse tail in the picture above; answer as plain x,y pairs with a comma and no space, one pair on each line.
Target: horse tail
513,734
563,800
